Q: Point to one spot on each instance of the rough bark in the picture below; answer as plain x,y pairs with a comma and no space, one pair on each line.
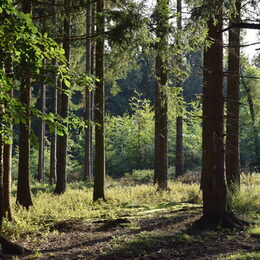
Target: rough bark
88,100
62,141
216,212
41,174
53,154
7,177
179,123
99,179
233,96
161,119
23,186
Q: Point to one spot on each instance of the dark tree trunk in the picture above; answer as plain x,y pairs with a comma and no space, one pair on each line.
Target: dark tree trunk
216,212
99,179
64,107
233,96
88,100
179,122
53,154
161,119
23,186
7,164
41,174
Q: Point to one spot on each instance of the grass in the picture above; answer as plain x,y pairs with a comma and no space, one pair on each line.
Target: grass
131,200
242,256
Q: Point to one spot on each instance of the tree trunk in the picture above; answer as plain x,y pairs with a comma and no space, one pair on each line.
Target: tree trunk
216,211
99,180
161,120
23,186
7,177
233,96
53,154
88,100
64,106
42,133
179,122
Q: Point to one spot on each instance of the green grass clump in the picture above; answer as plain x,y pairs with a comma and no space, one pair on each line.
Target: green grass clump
246,202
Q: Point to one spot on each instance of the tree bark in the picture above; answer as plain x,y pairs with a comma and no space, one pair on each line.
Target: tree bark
41,174
233,96
7,164
62,141
216,212
179,120
88,99
99,179
23,186
53,154
161,119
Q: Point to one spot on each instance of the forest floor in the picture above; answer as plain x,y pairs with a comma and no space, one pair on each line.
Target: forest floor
164,233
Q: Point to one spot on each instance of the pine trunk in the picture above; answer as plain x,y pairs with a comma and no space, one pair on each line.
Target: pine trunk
215,204
161,119
42,134
23,186
88,100
179,123
99,179
233,96
62,141
53,153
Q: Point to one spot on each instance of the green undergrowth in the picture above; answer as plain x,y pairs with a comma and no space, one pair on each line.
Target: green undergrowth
242,256
128,201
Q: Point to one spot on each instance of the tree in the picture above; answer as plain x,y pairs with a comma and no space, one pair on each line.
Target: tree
41,174
179,119
62,141
216,210
23,186
99,177
161,119
88,97
233,96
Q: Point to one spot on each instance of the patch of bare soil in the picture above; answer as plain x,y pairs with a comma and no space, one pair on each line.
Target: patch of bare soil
161,235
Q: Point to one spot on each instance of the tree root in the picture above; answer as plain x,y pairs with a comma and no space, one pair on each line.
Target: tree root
229,220
10,248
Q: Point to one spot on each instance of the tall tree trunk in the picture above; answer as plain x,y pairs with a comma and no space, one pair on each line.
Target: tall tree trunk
53,153
64,107
216,211
233,96
23,186
99,179
179,119
1,182
88,99
41,174
161,119
7,177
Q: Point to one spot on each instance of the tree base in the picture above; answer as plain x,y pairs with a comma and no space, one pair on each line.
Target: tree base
10,248
228,220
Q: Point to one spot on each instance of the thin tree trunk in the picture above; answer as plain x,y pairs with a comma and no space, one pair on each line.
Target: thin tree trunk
23,186
53,154
7,177
161,119
216,211
88,99
99,179
233,96
41,174
64,106
179,119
